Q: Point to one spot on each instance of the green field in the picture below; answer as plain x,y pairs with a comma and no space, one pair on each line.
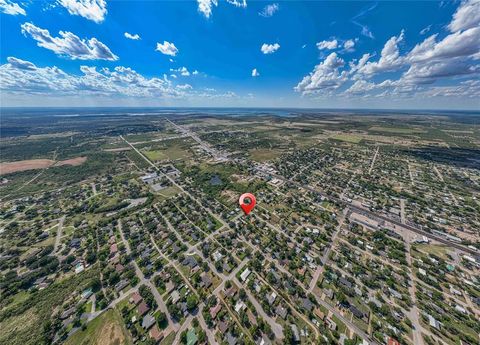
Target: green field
397,130
261,155
107,329
23,322
349,138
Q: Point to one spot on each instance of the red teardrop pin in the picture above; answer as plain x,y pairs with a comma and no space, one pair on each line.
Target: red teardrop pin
247,202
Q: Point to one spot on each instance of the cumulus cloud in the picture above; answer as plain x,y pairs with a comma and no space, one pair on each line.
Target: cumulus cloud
269,48
390,58
69,45
94,10
21,64
269,10
255,73
348,45
326,75
466,17
23,77
238,3
333,44
132,37
167,48
205,6
182,70
12,8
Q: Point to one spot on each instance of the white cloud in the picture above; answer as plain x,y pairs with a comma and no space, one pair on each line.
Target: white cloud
94,10
238,3
255,73
12,8
167,48
326,75
23,77
327,45
425,30
182,70
348,45
69,45
132,37
390,58
466,17
195,72
269,10
269,48
21,64
205,6
458,44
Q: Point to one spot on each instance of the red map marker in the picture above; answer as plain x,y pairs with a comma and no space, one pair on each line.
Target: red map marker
247,202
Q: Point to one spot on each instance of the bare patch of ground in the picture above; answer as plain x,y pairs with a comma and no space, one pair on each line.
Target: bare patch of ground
73,161
32,164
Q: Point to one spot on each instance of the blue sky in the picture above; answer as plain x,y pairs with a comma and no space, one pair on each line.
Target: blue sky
390,54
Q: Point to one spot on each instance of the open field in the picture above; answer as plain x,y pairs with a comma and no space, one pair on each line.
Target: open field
349,138
33,164
107,329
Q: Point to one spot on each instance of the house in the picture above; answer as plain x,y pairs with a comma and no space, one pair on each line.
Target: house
156,334
296,334
329,293
245,274
392,341
148,321
135,298
345,283
113,249
190,262
331,324
206,281
231,291
119,268
281,311
239,306
87,293
67,313
143,308
175,296
222,326
231,339
433,322
357,312
169,286
215,310
75,243
217,256
121,285
307,304
79,268
271,298
192,338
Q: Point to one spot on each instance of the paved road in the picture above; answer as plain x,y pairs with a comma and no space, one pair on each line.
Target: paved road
59,234
373,160
325,256
145,281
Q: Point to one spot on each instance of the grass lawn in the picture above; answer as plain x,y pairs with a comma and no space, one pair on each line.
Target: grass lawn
261,155
440,251
349,138
107,329
397,130
168,340
168,192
